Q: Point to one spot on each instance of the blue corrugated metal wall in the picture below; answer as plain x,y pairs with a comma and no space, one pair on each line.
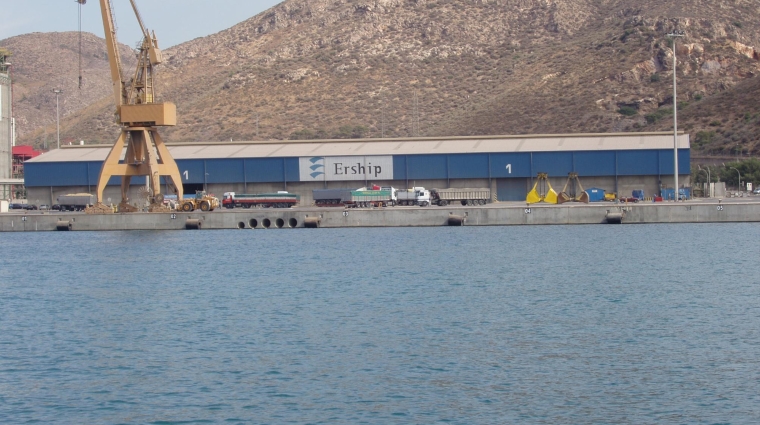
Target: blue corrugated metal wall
505,165
406,167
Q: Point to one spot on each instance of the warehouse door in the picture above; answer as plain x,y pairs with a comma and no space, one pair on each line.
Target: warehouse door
511,190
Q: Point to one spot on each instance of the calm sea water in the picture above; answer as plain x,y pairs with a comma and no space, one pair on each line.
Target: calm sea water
632,324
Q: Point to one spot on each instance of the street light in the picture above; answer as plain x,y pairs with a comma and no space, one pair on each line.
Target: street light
57,116
740,177
708,179
673,35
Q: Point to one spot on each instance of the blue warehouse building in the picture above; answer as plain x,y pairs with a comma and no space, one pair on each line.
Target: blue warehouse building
508,165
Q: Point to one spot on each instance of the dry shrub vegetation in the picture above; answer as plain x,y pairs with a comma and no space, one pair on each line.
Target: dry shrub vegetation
393,68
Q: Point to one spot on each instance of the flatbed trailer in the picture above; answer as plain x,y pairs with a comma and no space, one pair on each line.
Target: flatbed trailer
260,200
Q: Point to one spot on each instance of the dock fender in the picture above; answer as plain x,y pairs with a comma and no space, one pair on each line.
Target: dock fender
64,226
456,220
193,224
311,222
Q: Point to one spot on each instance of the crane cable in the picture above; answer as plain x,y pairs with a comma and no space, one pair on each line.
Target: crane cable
81,2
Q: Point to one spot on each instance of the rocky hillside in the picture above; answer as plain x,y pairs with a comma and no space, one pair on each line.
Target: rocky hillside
46,61
387,68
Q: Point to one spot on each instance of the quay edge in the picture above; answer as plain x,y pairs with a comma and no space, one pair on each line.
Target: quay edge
507,214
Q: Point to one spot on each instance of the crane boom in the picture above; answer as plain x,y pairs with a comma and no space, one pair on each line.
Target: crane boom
139,19
112,46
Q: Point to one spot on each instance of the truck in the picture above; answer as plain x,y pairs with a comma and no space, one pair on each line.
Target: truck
202,201
465,196
261,200
75,201
414,196
372,197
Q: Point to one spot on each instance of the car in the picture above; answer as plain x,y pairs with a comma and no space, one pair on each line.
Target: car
756,191
16,206
44,207
30,207
629,199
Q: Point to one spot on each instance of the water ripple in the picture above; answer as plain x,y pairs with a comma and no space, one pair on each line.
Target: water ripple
536,325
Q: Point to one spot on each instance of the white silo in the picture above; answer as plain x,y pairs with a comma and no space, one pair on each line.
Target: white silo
6,122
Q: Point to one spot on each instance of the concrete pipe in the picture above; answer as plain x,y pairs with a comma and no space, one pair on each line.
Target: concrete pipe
311,222
457,220
614,217
193,224
64,226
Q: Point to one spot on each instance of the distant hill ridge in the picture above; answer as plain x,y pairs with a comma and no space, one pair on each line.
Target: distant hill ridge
395,68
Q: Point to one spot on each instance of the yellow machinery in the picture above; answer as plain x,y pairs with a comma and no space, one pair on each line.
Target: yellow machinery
576,193
139,115
542,191
201,202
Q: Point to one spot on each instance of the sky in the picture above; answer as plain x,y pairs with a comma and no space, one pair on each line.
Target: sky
174,21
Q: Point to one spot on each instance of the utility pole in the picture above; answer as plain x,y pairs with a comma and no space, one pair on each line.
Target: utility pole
673,35
57,116
382,99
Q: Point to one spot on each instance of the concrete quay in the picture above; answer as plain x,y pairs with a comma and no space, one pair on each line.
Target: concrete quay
497,214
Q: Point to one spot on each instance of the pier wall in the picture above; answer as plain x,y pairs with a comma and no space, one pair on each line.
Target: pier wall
491,215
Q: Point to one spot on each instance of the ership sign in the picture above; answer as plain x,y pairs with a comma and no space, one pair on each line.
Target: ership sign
346,168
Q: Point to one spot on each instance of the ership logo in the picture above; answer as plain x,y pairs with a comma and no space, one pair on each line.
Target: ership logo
345,168
317,163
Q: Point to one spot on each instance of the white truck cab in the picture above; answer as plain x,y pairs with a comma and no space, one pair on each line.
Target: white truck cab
414,196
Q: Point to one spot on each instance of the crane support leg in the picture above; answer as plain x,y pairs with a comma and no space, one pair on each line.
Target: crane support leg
168,167
146,155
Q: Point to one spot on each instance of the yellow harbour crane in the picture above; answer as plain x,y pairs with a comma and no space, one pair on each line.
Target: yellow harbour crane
139,116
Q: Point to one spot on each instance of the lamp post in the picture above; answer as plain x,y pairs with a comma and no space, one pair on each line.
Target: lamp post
707,185
11,127
740,177
57,116
673,35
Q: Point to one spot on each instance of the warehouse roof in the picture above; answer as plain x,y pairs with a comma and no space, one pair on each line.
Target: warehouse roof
411,146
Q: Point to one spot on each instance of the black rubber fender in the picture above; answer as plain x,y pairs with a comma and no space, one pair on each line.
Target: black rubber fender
311,222
193,224
456,220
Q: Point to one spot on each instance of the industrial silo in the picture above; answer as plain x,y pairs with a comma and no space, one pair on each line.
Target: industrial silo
6,123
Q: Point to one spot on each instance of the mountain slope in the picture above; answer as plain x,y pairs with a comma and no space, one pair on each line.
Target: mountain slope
453,67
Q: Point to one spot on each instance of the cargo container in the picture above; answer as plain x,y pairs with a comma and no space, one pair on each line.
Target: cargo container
595,194
683,193
465,196
261,200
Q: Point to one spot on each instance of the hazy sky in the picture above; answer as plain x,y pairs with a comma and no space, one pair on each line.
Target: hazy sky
175,21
